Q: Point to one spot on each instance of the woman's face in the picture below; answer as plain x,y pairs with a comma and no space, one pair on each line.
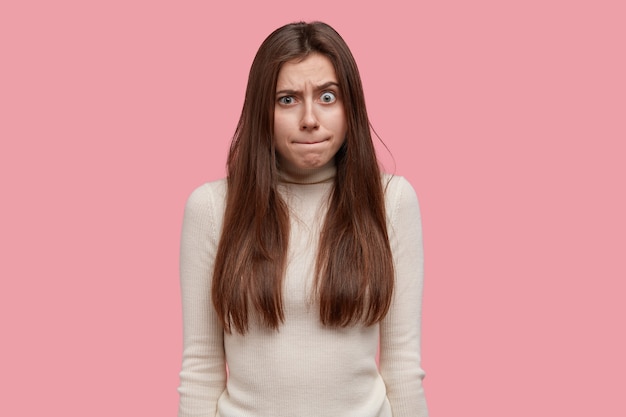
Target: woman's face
309,117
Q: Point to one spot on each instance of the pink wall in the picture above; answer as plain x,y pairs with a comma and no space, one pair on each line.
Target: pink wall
509,120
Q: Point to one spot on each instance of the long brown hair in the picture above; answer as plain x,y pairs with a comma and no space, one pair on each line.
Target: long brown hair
354,268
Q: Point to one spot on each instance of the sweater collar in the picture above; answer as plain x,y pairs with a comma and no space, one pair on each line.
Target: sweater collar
294,175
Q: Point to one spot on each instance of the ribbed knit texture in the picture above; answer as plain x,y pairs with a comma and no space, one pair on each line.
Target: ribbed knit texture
305,369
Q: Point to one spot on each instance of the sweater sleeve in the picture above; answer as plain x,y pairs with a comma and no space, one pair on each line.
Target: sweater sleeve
400,331
203,373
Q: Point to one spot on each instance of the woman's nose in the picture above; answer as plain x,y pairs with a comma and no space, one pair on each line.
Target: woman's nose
309,119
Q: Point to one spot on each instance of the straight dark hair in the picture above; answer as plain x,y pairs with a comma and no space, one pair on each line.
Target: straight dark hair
354,272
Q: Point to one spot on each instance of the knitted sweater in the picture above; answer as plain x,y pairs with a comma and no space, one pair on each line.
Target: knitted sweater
304,369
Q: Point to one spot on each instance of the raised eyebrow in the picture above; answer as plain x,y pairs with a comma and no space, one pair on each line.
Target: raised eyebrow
317,88
326,85
287,92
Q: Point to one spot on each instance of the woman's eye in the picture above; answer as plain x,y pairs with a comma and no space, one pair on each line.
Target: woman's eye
286,100
328,97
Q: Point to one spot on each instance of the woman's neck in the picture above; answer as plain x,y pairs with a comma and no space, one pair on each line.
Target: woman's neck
294,175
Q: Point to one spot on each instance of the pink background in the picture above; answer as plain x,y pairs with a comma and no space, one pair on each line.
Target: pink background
509,118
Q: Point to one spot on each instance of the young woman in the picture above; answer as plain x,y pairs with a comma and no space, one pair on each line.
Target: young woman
305,259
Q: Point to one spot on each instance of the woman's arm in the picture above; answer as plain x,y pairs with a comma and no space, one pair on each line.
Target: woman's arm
203,374
400,331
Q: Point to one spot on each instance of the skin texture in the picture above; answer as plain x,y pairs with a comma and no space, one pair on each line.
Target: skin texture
309,117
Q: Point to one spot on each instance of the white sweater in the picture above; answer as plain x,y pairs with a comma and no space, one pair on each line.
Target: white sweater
305,369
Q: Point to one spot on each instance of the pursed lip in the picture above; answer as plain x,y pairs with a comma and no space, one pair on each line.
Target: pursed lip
310,142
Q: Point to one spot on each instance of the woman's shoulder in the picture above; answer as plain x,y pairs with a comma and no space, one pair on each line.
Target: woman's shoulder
208,195
400,196
397,187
